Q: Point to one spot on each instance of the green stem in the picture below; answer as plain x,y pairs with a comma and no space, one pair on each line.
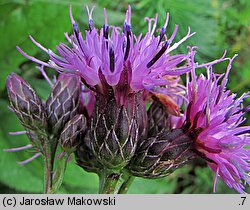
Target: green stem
126,184
48,168
49,156
59,173
108,182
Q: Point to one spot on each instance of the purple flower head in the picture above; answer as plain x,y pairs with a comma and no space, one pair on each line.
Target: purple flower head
117,58
214,119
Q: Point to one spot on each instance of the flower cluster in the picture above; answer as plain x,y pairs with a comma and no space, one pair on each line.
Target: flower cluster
98,111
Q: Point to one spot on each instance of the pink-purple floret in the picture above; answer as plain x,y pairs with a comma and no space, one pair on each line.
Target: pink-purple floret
148,58
222,140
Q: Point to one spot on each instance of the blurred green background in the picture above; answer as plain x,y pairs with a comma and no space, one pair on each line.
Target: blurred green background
220,25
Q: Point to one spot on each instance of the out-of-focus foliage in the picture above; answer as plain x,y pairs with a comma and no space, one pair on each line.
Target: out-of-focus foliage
234,34
220,25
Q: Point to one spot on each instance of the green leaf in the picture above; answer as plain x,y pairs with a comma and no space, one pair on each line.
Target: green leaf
153,186
46,22
199,15
25,178
76,180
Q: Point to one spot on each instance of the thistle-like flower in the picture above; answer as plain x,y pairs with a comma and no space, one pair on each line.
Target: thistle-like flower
126,62
214,117
211,128
97,108
121,70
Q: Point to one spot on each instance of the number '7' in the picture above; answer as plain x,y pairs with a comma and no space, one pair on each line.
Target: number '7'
244,198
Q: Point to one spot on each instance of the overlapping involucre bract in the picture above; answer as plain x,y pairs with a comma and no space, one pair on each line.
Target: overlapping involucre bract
222,140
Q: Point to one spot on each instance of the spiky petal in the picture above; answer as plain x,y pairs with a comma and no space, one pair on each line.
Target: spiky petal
111,51
217,115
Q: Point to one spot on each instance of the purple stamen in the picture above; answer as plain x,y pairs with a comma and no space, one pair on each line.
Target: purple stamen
18,148
106,31
154,26
40,68
12,110
173,34
17,133
246,109
112,59
229,66
32,58
175,45
158,55
162,33
213,62
69,158
127,31
37,44
216,179
128,44
30,159
163,29
127,22
75,27
105,26
60,155
76,30
243,132
90,17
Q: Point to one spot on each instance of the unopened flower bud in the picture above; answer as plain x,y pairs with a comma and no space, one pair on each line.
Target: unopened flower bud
72,133
25,103
157,119
63,102
85,157
161,155
28,108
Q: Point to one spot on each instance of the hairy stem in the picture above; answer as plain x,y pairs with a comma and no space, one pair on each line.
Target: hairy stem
108,182
126,184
